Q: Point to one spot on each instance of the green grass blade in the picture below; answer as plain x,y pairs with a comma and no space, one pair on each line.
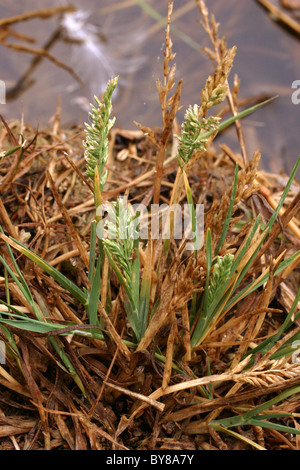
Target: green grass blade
37,326
273,416
19,273
268,404
208,311
23,287
290,347
29,324
236,435
12,309
242,114
136,266
27,294
245,248
229,212
240,295
9,152
268,226
133,319
130,306
268,343
203,317
144,304
94,295
192,213
223,125
252,415
54,273
118,272
277,427
92,256
7,334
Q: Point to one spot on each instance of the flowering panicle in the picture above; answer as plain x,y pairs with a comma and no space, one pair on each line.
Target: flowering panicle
96,143
120,229
194,132
221,275
196,127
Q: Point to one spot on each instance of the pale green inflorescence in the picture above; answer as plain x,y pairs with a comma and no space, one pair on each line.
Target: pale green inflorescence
120,229
221,275
96,143
193,131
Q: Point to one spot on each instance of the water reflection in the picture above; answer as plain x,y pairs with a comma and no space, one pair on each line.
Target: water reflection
96,56
130,43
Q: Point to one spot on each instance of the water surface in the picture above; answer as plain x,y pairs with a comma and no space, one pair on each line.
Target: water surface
132,41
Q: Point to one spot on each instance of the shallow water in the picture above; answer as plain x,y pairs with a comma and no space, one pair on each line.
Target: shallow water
267,62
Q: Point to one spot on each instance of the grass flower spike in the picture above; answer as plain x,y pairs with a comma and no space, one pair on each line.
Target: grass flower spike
221,275
96,143
193,130
120,241
196,127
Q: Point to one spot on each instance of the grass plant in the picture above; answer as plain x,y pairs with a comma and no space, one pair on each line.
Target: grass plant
191,338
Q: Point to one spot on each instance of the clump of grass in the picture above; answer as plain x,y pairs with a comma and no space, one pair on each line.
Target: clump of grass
153,310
